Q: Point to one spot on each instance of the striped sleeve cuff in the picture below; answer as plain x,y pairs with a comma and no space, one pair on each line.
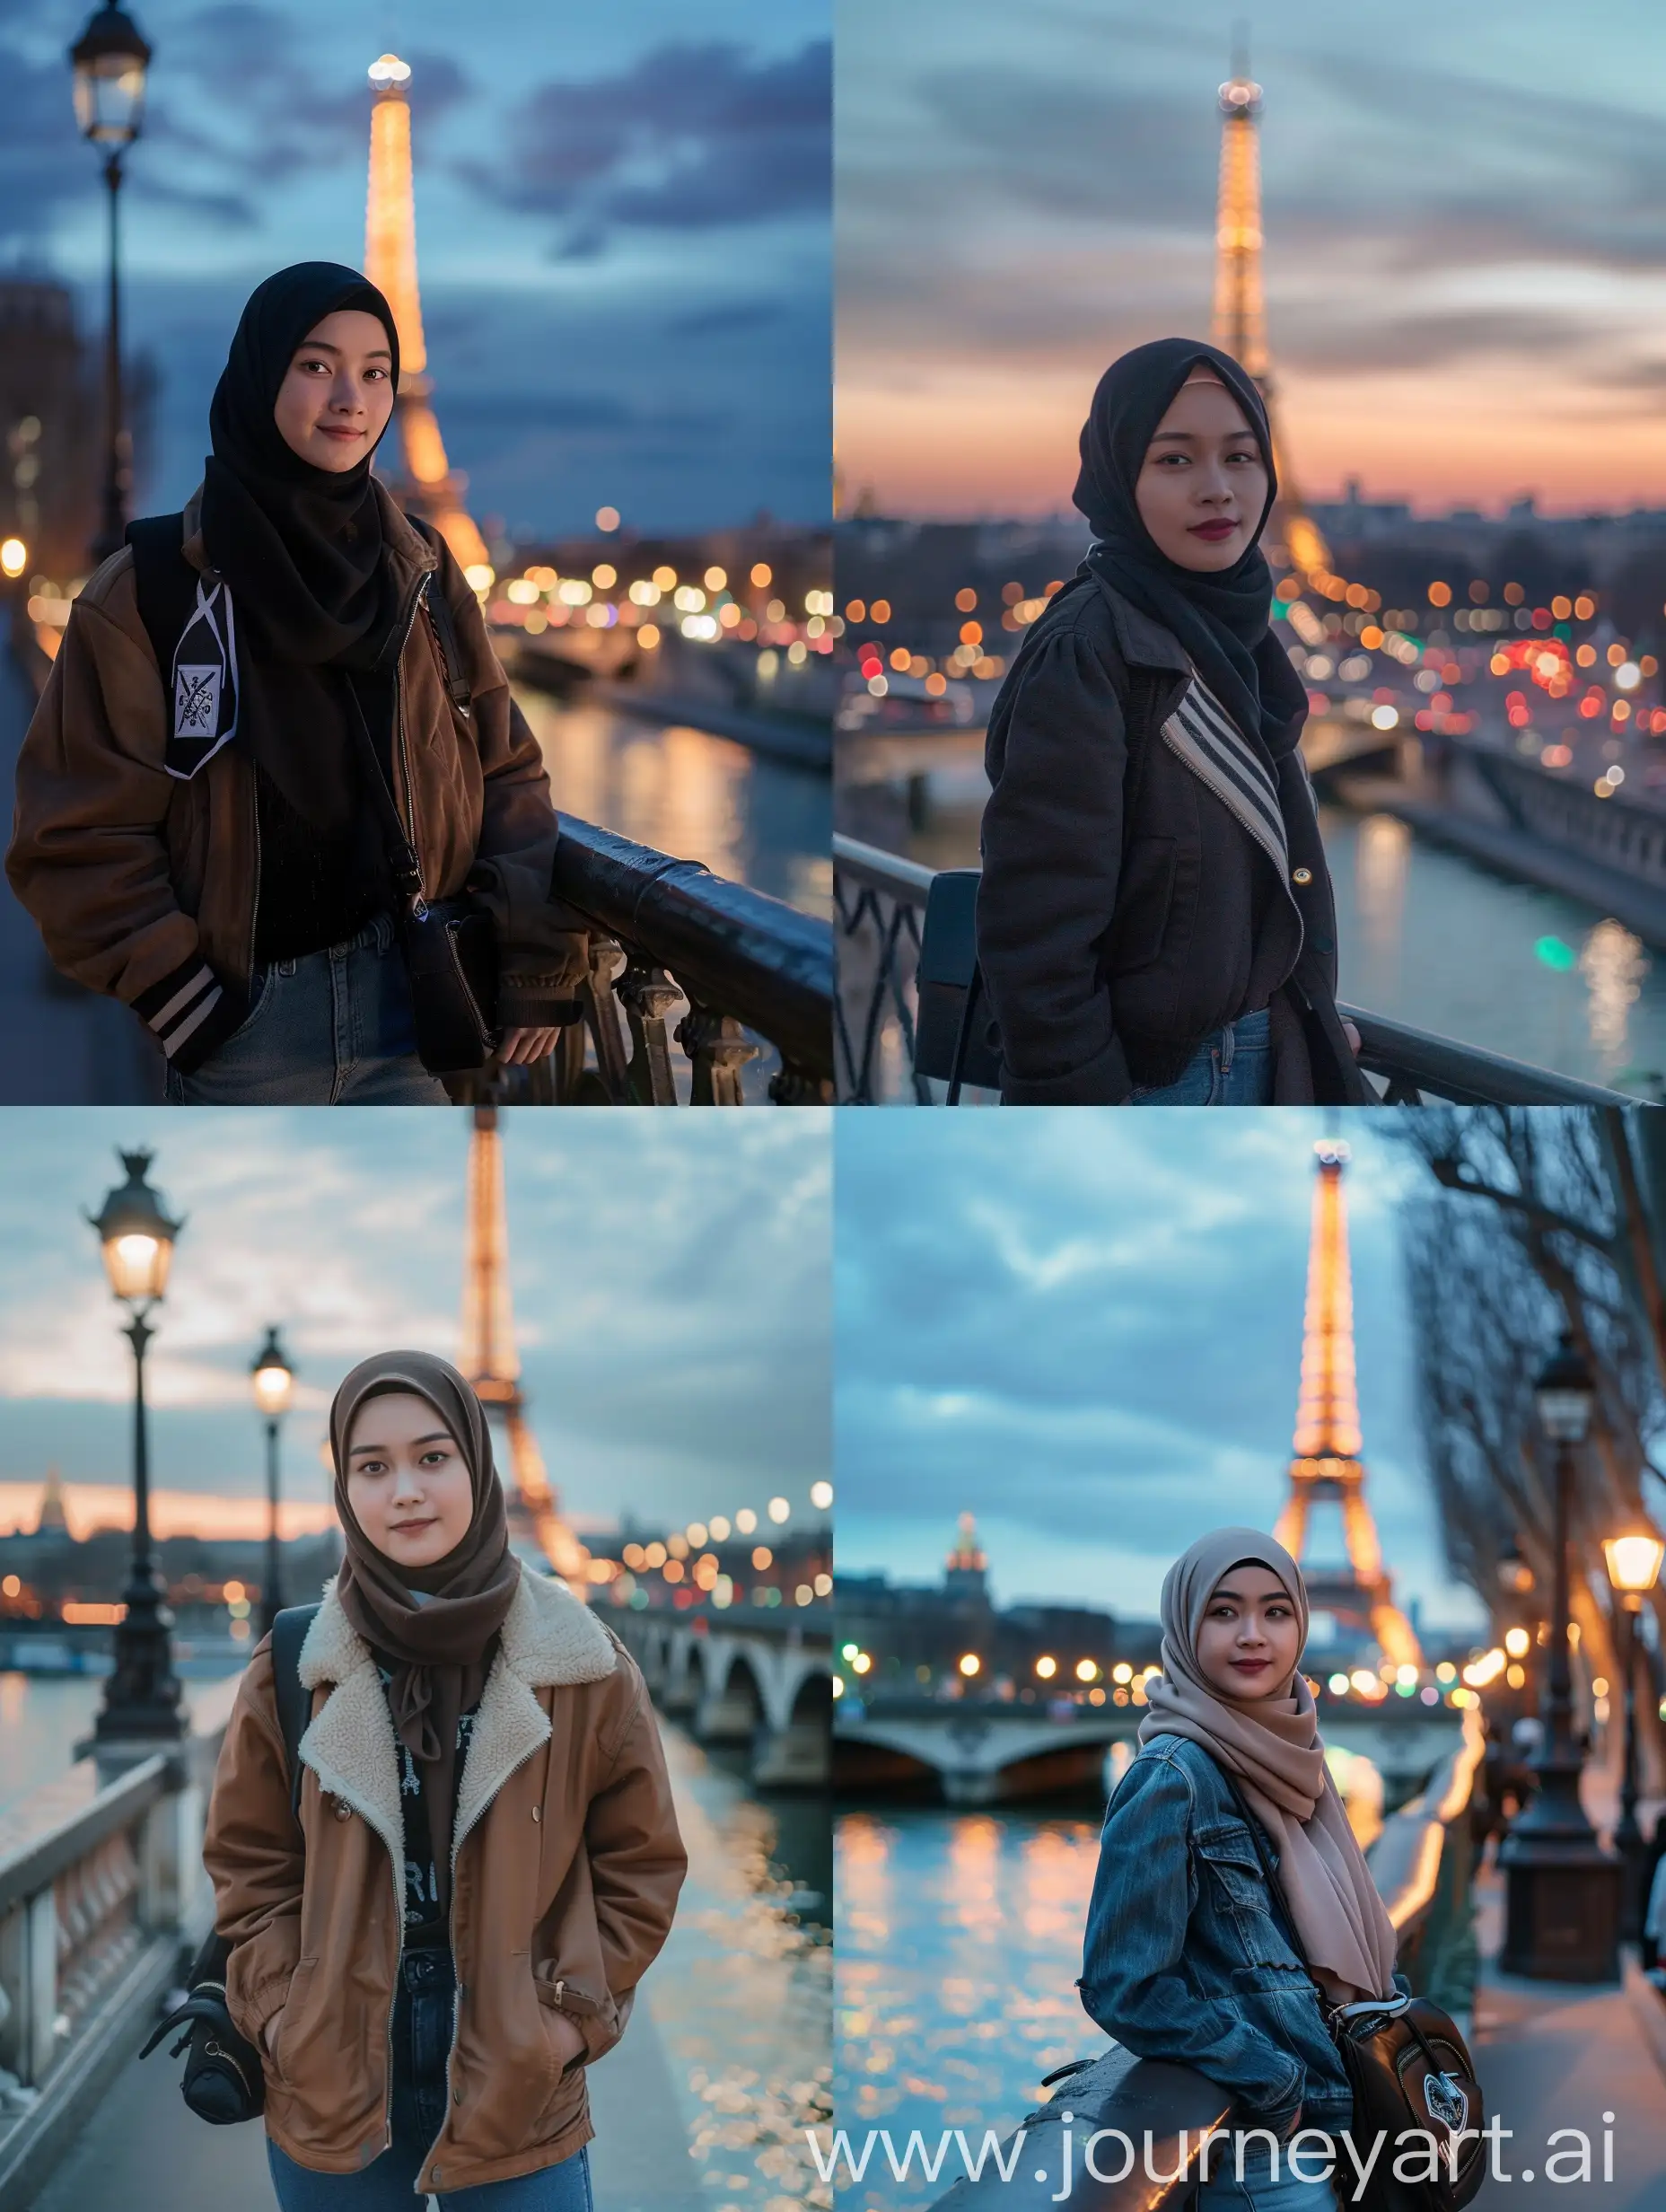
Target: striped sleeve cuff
190,1012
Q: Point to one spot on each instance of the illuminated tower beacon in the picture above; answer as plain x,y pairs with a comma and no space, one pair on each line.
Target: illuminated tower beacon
490,1359
1327,1466
427,485
965,1571
1241,301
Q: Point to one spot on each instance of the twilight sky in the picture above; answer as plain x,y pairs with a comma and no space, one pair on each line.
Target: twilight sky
1091,1338
622,229
669,1275
1466,239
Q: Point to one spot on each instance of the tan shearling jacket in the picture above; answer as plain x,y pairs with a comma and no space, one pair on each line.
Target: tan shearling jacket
565,1866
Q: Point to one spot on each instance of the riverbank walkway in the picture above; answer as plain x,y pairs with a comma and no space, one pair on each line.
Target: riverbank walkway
145,2151
1553,2055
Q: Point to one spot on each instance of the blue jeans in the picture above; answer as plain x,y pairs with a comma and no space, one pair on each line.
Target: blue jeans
421,2040
1257,2192
1234,1067
330,1028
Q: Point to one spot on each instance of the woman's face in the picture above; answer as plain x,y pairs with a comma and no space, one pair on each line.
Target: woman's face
408,1483
1203,483
1248,1642
335,399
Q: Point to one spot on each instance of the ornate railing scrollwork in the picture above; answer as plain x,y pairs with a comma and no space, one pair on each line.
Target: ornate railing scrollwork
753,977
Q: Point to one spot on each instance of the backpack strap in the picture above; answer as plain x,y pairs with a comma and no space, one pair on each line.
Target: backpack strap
165,583
443,624
294,1701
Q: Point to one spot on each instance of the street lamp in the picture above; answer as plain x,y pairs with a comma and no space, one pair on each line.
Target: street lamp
110,60
142,1703
1634,1565
273,1380
1562,1898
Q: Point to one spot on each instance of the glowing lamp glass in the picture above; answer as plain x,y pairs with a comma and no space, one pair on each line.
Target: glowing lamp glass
274,1387
1634,1561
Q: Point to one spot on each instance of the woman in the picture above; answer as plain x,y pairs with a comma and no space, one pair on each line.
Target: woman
482,1741
1188,1956
1156,924
199,837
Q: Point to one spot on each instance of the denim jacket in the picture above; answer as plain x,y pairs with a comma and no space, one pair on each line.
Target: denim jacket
1186,1956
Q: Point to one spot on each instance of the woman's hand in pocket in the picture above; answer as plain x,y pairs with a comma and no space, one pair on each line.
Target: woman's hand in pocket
568,2037
268,2034
520,1048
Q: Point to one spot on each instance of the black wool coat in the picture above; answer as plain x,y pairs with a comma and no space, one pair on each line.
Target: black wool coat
1125,914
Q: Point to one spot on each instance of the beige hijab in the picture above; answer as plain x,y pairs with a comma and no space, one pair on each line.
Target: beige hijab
1271,1747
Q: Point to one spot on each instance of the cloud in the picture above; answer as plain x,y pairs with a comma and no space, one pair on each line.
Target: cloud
1093,1337
685,137
670,1288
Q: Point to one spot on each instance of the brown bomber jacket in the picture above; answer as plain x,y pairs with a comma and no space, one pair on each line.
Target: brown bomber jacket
139,882
566,1866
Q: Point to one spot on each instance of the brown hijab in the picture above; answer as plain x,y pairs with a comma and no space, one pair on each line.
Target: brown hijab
1271,1746
439,1652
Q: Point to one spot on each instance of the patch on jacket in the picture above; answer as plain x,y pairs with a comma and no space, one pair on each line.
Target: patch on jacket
204,685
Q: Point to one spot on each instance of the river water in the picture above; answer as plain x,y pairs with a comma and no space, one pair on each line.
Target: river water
688,793
741,1998
959,1940
1431,939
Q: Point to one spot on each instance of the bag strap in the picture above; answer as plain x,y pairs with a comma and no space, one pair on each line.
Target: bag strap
444,628
295,1700
164,584
401,853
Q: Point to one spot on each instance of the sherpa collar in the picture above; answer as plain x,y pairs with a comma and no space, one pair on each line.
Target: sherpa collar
548,1638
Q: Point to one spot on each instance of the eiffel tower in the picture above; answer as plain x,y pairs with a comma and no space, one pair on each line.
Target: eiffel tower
1327,1466
428,485
489,1360
1241,303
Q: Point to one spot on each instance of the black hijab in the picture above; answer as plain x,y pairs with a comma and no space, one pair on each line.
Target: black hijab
301,546
1222,617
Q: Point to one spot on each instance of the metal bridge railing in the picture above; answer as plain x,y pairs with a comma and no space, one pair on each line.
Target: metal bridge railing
748,972
880,905
101,1883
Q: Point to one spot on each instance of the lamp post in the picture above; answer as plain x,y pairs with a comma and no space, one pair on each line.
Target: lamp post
110,60
1561,1898
1634,1565
142,1704
273,1381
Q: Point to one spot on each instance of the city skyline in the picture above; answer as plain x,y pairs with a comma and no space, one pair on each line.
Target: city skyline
1464,251
652,1295
622,233
1033,1337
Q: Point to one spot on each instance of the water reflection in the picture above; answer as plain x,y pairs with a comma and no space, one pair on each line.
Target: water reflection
1384,866
686,792
742,2000
1614,965
957,1941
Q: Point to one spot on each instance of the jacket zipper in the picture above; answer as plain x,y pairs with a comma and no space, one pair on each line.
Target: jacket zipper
408,816
450,1939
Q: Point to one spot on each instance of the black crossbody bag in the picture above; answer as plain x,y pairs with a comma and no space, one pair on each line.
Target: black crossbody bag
1409,2067
223,2079
449,945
